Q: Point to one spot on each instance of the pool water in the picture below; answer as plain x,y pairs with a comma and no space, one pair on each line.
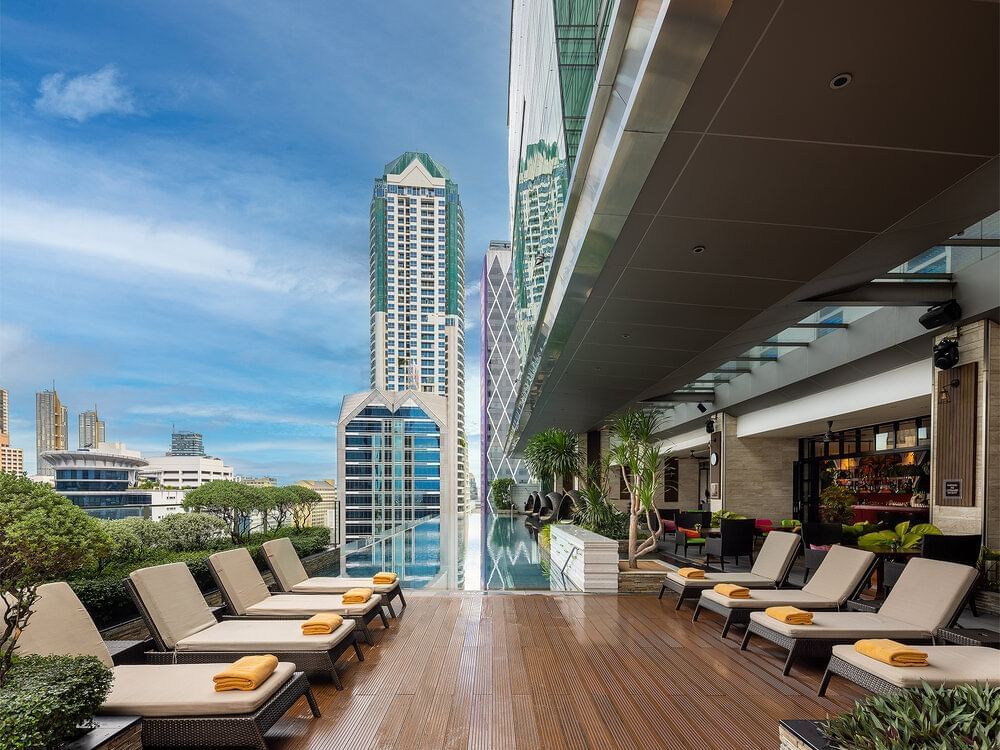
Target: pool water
512,559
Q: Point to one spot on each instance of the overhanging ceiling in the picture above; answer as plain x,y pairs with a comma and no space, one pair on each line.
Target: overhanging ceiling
794,189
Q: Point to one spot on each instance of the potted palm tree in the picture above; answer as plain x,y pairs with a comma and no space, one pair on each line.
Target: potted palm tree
553,456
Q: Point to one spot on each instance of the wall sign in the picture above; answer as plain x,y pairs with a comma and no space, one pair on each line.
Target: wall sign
952,489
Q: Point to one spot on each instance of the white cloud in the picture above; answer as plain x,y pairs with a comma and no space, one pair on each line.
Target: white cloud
84,96
228,413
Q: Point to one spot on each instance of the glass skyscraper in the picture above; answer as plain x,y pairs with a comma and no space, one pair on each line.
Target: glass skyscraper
51,428
185,443
91,429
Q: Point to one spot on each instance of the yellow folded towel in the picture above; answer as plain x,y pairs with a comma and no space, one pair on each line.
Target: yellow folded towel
790,615
322,623
892,652
691,573
732,590
384,578
356,596
247,673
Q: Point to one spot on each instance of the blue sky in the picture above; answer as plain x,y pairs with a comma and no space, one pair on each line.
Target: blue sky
184,189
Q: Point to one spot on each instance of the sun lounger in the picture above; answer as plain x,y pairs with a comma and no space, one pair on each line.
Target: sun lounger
947,666
292,578
769,570
930,594
185,630
177,702
246,595
839,577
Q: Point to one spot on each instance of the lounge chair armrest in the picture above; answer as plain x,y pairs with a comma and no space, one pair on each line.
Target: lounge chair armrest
856,605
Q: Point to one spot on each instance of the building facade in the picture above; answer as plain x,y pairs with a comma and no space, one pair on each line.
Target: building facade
103,484
185,472
4,417
500,367
51,428
11,459
418,288
327,511
91,429
256,481
185,443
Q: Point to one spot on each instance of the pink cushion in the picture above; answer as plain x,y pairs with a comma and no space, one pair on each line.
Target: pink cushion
822,547
669,526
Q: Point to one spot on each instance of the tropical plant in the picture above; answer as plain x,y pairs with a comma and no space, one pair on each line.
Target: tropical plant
854,531
235,503
903,537
924,718
500,493
306,502
46,699
719,515
187,532
635,454
837,504
596,512
554,454
545,536
43,536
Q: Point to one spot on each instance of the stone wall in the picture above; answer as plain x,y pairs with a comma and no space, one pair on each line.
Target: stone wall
757,473
687,485
974,341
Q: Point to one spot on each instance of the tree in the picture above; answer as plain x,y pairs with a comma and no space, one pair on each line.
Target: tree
279,502
187,532
43,536
125,544
500,489
306,501
233,502
635,453
554,454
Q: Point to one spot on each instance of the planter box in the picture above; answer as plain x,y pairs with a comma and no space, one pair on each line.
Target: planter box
587,559
110,733
645,580
988,602
801,735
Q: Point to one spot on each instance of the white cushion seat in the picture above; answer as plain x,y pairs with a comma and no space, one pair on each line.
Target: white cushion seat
339,585
946,666
845,626
711,579
306,605
763,598
173,690
261,636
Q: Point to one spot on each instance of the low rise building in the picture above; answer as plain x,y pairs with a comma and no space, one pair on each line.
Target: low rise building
257,481
327,511
185,472
102,483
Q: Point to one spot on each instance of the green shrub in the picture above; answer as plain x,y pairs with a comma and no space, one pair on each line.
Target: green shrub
903,537
720,514
545,536
186,532
836,504
126,545
150,532
500,489
45,698
922,718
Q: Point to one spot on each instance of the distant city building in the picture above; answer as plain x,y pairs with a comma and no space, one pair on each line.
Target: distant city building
91,429
51,428
185,472
11,459
418,289
327,511
473,502
500,368
165,502
186,444
101,483
256,481
118,449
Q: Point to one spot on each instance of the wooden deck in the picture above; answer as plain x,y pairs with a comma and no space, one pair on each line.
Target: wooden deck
463,670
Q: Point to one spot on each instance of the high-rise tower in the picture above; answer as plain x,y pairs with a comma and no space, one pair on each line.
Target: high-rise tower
185,443
91,429
417,280
51,428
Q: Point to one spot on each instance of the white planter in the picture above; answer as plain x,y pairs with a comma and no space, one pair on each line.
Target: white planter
587,559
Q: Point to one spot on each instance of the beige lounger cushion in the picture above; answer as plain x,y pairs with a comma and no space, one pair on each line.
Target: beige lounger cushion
306,605
262,637
946,665
741,579
845,626
174,602
928,592
763,598
839,574
185,690
329,585
776,555
240,578
59,624
285,563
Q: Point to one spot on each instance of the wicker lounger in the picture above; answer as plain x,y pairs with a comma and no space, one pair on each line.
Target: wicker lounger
930,594
946,666
839,577
291,577
769,570
246,595
186,632
177,703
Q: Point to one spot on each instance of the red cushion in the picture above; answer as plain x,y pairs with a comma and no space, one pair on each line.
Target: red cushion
823,547
763,523
669,525
689,533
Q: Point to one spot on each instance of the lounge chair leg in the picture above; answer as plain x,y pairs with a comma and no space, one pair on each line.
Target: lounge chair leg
392,612
357,650
697,611
824,683
728,624
362,627
313,706
385,622
402,599
662,589
335,678
680,601
790,659
746,640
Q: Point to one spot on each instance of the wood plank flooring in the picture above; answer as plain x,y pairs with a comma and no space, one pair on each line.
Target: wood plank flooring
492,671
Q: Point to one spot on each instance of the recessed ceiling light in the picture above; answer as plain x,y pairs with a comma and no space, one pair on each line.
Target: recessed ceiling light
626,335
698,249
841,80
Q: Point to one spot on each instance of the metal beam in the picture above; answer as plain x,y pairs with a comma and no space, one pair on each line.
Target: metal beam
891,294
820,325
914,276
733,371
754,359
982,242
787,344
688,397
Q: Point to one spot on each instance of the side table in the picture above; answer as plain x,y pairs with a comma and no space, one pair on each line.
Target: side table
969,637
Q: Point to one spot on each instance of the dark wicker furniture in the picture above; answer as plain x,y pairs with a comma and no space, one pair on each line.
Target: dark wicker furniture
819,534
735,540
969,637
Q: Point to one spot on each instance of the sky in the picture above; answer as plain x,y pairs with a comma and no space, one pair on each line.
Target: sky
184,194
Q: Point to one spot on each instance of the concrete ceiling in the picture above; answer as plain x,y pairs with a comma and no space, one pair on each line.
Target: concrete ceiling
794,190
